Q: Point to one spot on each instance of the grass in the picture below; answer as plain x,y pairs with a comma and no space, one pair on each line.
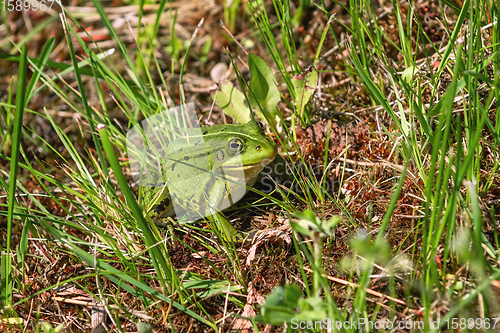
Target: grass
408,235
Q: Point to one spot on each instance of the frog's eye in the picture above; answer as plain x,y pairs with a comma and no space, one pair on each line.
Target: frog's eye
235,146
261,125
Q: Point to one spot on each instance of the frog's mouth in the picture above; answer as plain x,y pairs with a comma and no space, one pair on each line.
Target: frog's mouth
259,166
262,163
255,167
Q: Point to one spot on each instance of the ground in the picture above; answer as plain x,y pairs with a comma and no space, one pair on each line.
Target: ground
358,135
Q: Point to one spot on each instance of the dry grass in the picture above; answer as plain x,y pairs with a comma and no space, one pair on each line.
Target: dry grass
364,169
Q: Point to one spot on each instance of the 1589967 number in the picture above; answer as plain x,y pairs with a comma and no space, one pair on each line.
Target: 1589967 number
25,5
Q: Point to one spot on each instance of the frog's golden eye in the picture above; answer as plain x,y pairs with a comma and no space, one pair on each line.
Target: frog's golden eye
235,146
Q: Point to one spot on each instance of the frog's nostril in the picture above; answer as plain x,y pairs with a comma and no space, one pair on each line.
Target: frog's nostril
258,147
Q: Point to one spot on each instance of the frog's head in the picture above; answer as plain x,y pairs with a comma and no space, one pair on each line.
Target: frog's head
257,146
244,145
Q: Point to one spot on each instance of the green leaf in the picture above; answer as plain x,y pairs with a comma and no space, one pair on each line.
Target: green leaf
46,327
232,101
305,84
58,328
23,244
310,222
312,308
300,228
280,305
264,93
144,328
284,304
408,74
370,250
292,295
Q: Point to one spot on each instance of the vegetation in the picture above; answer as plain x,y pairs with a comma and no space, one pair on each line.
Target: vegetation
387,213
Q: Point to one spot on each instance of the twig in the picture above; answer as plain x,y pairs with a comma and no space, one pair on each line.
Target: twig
90,304
354,285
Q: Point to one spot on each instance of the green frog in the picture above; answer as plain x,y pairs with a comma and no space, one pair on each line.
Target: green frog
207,170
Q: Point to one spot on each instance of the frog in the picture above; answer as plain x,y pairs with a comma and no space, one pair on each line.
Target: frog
207,170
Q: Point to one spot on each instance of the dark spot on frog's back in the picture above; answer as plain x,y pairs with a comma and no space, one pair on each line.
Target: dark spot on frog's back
219,155
173,166
205,132
161,206
186,158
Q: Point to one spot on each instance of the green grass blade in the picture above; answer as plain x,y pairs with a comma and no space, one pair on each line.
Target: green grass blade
453,38
159,258
16,142
40,65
